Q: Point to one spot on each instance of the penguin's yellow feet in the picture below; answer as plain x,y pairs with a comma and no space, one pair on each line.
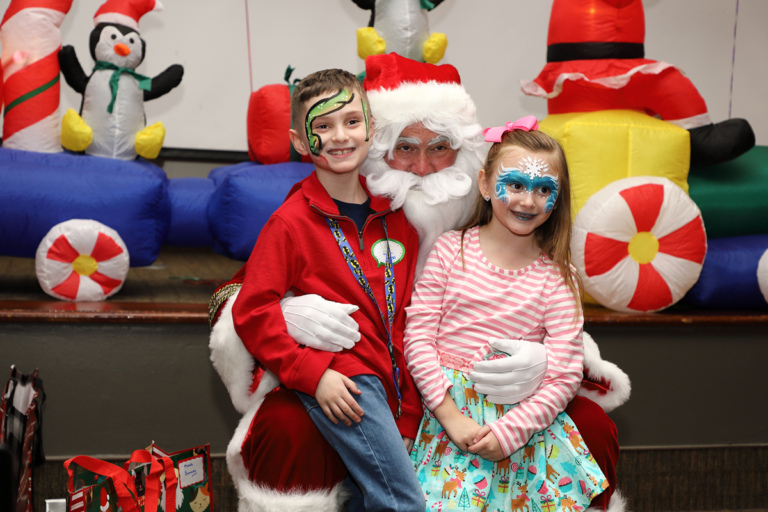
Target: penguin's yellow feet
76,135
150,140
434,47
369,43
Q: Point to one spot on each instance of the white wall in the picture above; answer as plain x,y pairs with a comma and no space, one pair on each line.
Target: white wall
493,43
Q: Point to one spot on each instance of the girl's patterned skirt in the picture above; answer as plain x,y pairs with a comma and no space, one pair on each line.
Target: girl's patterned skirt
554,471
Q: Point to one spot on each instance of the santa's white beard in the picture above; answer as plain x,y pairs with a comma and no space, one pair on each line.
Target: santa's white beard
434,204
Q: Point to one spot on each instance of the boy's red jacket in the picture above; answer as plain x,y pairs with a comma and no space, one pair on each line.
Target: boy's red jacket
297,252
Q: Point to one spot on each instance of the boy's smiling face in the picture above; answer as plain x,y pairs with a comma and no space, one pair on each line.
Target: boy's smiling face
336,132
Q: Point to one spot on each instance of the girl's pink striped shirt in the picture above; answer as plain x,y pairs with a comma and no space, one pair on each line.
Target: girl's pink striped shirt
456,309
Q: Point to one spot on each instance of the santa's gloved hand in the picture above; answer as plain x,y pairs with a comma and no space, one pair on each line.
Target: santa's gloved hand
512,372
319,323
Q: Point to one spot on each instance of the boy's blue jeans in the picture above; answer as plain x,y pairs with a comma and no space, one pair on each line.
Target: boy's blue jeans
373,452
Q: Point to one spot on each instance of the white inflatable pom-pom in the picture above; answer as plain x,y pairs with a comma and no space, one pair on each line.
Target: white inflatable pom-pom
81,260
639,244
762,275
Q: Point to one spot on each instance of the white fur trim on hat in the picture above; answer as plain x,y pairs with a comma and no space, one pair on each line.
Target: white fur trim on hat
619,386
412,102
117,18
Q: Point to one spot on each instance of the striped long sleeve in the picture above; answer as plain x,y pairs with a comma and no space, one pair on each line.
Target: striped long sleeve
459,304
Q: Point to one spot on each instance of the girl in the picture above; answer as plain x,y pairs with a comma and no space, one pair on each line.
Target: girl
505,274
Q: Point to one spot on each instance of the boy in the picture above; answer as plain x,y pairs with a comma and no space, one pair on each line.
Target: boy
331,238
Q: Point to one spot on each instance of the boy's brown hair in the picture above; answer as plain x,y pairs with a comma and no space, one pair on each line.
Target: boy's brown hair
324,81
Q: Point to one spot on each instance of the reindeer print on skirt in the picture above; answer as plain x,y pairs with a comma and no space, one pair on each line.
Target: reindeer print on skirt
553,468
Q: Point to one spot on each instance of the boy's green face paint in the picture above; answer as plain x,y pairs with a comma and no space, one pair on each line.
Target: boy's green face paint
367,125
325,107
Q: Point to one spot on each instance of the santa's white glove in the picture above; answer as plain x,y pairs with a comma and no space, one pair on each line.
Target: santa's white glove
319,323
509,380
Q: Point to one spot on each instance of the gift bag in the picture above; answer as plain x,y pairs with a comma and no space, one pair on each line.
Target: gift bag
192,468
154,479
98,486
151,480
21,431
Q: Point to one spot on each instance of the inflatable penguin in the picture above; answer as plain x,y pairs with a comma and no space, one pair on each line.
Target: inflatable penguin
400,26
596,61
112,121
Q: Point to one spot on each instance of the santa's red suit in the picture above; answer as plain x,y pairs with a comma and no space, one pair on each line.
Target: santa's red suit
277,458
596,61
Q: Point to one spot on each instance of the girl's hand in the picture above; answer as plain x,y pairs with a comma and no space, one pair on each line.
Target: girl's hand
333,396
462,430
486,445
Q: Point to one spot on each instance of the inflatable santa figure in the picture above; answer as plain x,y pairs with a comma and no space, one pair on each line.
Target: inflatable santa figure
112,121
596,61
277,459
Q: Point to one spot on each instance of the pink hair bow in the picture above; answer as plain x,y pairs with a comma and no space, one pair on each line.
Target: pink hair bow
526,123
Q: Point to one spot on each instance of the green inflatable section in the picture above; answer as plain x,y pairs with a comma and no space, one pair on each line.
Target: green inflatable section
733,197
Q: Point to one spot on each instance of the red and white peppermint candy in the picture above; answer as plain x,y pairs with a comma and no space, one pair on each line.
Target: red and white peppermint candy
762,275
81,260
639,244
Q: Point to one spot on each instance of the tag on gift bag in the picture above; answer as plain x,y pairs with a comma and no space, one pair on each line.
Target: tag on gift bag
95,486
194,492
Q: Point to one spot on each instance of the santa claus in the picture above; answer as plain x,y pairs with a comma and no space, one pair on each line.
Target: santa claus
427,148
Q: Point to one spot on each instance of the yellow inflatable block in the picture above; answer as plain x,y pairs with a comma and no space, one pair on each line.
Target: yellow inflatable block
149,140
604,146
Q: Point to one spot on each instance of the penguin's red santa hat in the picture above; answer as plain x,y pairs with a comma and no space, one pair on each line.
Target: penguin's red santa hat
403,91
125,12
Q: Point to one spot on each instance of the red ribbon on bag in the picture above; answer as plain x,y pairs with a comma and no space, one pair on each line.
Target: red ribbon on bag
122,481
152,485
170,483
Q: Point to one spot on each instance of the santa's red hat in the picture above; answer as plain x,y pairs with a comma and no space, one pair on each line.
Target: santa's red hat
404,90
125,12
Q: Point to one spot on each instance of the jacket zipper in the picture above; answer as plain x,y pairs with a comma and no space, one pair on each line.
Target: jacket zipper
372,216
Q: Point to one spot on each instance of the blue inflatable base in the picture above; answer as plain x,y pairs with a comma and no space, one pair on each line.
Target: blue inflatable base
40,190
245,196
729,278
189,212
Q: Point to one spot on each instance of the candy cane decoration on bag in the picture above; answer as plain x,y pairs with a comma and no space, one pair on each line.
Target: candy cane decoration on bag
31,39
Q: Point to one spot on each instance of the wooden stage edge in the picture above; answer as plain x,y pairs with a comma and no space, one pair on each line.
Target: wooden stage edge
196,313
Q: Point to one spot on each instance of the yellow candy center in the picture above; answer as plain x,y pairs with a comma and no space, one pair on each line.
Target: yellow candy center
85,265
643,247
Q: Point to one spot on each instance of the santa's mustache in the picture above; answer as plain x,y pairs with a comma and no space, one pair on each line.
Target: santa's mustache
436,188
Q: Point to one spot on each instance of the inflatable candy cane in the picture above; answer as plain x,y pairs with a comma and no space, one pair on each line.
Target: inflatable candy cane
30,39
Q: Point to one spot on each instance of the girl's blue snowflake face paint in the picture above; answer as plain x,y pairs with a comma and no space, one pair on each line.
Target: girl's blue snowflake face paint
527,177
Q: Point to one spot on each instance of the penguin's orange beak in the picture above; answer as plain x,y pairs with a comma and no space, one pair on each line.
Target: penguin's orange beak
122,50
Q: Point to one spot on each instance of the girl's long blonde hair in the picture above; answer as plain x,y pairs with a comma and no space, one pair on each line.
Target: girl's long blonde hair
554,236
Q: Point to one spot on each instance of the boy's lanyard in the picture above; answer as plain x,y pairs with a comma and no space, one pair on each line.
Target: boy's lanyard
389,290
